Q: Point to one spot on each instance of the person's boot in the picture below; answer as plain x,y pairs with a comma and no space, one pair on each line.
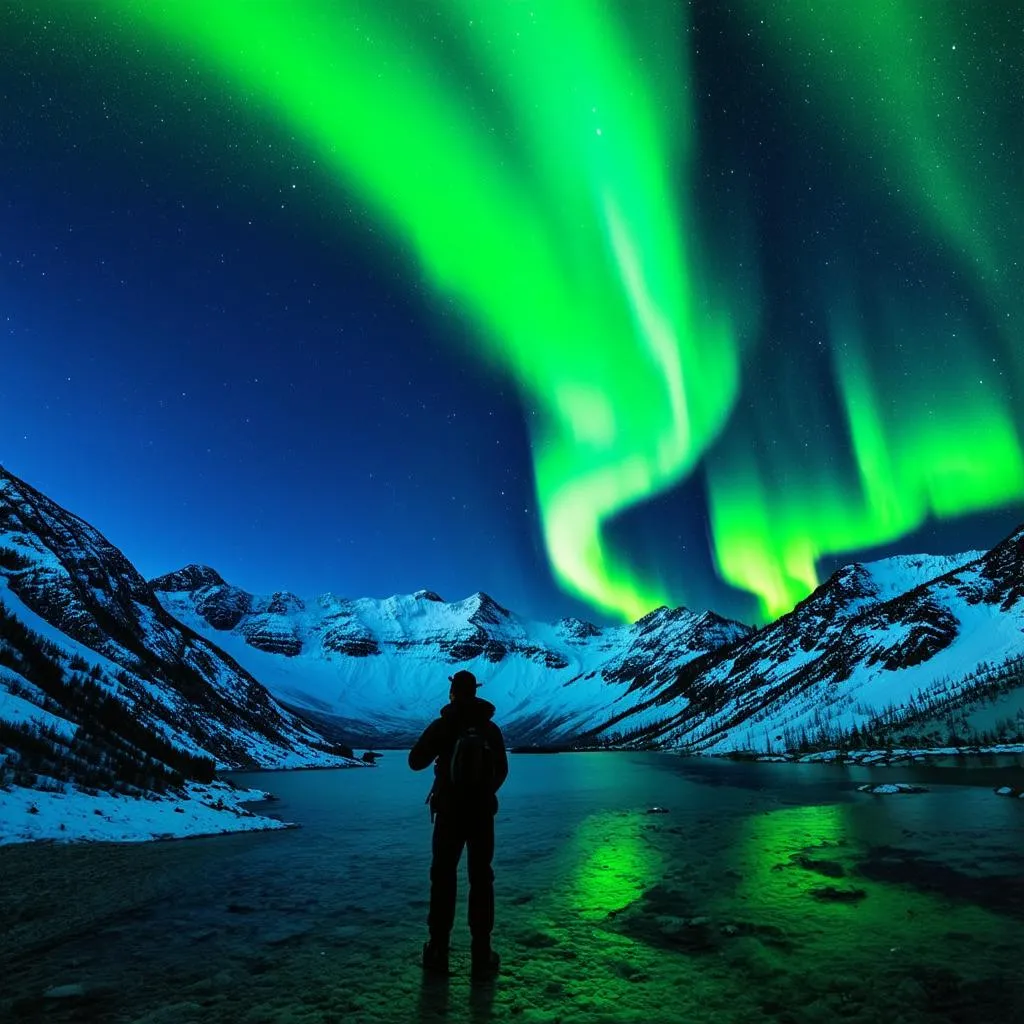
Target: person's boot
485,963
435,956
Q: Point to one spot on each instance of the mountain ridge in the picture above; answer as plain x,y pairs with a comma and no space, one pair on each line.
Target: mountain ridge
833,644
679,688
59,568
422,637
281,679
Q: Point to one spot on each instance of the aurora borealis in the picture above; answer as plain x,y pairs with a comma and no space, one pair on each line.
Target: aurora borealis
752,273
932,425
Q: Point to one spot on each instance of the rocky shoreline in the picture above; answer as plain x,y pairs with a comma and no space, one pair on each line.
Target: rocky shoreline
882,757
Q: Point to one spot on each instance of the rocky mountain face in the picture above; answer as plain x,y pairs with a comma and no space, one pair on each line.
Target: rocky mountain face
894,641
378,669
276,680
98,617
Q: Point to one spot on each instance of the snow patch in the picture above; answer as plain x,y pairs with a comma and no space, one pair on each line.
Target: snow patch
27,815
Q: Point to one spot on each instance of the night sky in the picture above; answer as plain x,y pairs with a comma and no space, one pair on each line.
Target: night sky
593,306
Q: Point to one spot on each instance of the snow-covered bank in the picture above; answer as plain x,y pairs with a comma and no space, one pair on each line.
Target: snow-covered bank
28,815
890,788
880,757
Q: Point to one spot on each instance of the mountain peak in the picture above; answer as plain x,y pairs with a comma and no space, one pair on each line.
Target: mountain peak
579,628
285,603
187,579
652,617
487,609
428,595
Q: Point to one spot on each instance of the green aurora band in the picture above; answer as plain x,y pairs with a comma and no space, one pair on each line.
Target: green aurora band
898,75
923,435
538,165
559,236
929,412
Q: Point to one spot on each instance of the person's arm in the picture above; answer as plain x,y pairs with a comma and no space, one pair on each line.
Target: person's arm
424,750
501,767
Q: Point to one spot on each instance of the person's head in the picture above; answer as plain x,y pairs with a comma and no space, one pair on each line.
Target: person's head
463,686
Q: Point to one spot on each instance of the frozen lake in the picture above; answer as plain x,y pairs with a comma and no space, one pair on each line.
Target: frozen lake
767,893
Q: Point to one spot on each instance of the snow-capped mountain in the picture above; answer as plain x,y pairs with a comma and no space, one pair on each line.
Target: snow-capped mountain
894,639
897,642
77,593
376,670
277,680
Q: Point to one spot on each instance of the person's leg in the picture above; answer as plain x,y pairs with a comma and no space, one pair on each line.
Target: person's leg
480,854
449,838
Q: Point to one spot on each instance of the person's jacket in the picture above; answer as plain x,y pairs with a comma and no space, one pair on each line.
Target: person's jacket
437,744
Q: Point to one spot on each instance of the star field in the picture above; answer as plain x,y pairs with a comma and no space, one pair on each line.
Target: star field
595,311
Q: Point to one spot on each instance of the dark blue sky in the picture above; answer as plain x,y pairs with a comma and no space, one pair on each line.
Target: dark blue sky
212,359
209,363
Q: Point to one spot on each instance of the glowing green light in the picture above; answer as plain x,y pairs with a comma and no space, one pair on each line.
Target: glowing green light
563,240
930,423
613,866
924,436
790,862
913,91
535,163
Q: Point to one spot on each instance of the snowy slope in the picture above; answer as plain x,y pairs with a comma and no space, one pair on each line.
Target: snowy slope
198,809
66,581
377,669
69,772
213,668
893,634
113,715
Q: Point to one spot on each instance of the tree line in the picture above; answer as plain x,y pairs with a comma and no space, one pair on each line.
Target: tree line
111,747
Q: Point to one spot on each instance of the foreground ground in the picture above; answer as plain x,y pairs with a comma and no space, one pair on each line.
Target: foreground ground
766,893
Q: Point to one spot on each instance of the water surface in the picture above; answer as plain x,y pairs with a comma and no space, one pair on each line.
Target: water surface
766,893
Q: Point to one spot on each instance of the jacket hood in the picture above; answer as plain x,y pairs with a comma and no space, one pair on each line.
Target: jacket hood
476,708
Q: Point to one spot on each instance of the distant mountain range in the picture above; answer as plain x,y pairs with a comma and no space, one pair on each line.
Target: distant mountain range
375,671
893,644
926,645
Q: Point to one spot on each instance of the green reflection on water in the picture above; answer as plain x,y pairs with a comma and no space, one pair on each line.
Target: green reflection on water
768,843
798,874
614,864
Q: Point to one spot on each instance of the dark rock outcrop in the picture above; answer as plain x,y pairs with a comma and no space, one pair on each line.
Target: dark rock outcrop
178,682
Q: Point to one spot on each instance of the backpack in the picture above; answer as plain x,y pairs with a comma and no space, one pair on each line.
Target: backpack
471,770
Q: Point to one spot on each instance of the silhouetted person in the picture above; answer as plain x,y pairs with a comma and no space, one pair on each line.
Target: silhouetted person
470,764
